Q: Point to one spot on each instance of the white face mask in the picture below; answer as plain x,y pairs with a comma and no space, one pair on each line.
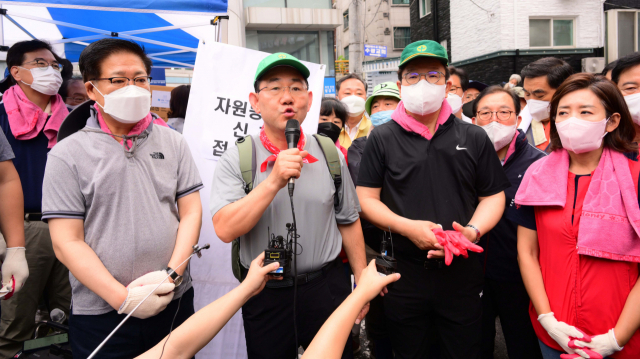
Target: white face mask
455,102
511,85
423,98
499,134
355,105
580,136
539,110
633,102
47,81
129,104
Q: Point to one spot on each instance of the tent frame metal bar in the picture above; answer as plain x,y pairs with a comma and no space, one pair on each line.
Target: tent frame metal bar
124,34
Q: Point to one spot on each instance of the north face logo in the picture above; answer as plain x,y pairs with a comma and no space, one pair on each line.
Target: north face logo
157,155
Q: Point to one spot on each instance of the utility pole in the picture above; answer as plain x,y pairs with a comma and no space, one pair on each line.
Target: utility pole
355,38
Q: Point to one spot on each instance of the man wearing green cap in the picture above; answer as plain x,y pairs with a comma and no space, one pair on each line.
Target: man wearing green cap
423,169
281,94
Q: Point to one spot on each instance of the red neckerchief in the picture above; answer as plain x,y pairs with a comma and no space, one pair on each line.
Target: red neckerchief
275,150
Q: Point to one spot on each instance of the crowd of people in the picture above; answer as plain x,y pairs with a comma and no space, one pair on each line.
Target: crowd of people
485,215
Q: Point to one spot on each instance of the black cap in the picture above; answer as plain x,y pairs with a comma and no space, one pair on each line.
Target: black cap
477,85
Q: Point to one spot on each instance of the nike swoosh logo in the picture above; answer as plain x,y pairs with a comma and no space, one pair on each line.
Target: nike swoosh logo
460,148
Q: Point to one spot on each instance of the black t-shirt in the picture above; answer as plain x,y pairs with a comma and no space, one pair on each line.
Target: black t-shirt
437,180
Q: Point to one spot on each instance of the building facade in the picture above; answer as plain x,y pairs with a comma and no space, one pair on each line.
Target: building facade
493,39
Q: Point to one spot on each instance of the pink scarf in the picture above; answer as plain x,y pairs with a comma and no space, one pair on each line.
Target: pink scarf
136,130
410,124
610,222
27,120
275,150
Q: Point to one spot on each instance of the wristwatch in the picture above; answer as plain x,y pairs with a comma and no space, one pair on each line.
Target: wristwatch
177,279
478,235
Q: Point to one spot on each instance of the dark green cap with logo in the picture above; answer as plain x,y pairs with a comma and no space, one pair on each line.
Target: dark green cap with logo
386,89
280,59
424,48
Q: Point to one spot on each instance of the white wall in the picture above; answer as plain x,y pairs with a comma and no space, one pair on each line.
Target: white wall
476,32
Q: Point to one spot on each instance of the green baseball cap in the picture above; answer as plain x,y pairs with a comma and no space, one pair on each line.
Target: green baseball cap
426,48
280,59
387,89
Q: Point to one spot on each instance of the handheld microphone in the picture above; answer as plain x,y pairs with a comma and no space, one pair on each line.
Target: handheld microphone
292,134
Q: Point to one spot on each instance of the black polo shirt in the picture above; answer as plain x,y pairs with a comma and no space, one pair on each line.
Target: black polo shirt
437,180
500,256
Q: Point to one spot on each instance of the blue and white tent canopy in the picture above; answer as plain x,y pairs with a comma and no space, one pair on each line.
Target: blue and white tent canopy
168,29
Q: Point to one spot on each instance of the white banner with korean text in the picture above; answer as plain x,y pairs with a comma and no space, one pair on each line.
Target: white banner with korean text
218,114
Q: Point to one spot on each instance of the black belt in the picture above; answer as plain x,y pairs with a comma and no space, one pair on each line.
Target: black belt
303,278
33,217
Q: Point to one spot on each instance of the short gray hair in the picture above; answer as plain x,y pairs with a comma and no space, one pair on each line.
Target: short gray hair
515,76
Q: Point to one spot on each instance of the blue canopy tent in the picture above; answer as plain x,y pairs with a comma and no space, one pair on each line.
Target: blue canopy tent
83,21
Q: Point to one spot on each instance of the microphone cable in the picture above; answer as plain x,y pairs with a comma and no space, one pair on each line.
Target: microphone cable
295,269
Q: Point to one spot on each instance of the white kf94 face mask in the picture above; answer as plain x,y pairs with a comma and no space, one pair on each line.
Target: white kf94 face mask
455,102
499,134
129,104
355,105
633,102
539,109
47,80
422,98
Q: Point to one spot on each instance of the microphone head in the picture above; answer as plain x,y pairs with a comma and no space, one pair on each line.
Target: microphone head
292,133
292,125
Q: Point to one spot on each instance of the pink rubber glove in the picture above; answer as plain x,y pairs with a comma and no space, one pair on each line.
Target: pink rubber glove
444,242
462,242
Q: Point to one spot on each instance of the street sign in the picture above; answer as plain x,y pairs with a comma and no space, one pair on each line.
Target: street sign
375,50
330,86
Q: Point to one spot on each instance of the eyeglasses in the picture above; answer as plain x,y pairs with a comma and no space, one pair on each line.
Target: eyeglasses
42,64
502,116
77,99
124,81
454,89
277,91
432,77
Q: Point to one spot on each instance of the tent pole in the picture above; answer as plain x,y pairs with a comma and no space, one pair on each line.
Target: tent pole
19,26
171,61
160,43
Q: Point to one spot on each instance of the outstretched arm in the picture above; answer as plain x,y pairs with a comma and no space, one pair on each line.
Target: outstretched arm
330,340
200,328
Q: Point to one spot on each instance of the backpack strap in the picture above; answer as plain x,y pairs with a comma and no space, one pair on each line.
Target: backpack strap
332,158
247,152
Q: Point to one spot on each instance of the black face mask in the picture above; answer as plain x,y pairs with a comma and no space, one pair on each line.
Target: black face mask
330,129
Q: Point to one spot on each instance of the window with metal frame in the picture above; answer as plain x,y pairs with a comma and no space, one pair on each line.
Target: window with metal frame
425,7
401,37
551,32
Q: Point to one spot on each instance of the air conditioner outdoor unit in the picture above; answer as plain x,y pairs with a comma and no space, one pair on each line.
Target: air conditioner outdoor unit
385,14
593,64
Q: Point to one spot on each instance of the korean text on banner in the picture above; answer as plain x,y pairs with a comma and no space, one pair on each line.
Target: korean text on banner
221,98
218,113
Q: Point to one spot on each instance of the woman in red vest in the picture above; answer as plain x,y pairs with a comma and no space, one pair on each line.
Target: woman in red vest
578,243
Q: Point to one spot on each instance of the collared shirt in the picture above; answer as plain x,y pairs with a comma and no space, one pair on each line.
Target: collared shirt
127,200
437,180
363,127
317,220
352,132
500,256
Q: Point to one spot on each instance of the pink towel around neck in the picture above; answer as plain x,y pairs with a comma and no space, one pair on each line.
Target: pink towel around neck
27,119
610,223
410,124
137,129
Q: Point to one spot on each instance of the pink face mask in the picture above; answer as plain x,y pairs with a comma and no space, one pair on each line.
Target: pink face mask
580,136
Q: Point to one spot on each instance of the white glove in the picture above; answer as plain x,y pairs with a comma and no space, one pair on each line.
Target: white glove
3,248
150,278
156,302
603,344
559,331
15,271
